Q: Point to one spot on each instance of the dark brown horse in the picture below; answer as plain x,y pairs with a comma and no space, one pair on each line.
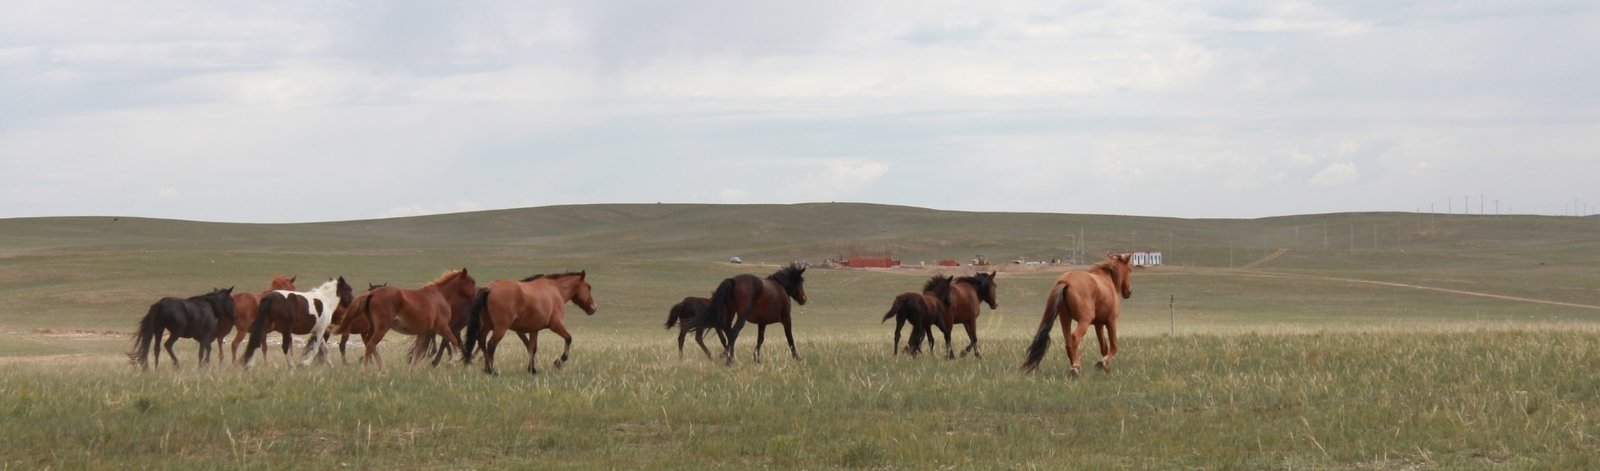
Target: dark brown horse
196,318
423,312
689,308
965,295
287,312
923,311
1090,298
536,303
244,305
761,301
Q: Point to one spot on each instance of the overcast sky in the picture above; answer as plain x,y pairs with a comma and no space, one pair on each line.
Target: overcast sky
314,111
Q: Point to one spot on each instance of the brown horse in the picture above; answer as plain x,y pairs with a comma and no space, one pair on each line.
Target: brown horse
755,300
245,305
536,303
346,324
1089,297
924,311
423,312
689,308
966,293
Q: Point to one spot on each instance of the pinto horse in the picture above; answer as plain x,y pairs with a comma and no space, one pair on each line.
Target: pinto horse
755,300
924,311
536,303
195,318
965,295
1090,298
689,308
298,312
423,312
244,305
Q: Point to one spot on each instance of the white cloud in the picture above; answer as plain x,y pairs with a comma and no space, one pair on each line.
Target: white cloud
424,210
1336,175
836,179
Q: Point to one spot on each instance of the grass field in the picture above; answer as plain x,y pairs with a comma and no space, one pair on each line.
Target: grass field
1465,342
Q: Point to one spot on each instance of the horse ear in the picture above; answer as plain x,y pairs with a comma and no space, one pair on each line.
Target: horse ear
583,274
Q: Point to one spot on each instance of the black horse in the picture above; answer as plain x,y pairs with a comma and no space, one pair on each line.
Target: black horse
923,311
761,301
193,318
692,307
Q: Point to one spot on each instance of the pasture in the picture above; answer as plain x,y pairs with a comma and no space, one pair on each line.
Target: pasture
1464,342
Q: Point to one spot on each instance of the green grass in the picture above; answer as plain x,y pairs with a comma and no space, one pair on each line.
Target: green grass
1296,364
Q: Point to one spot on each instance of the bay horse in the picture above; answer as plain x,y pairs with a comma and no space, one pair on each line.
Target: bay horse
423,312
923,311
195,318
346,324
244,306
965,295
689,308
298,312
536,303
761,301
1090,298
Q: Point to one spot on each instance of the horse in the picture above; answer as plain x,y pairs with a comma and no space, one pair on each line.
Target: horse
755,300
195,318
299,312
422,312
244,305
536,303
689,308
1089,297
965,295
346,324
924,311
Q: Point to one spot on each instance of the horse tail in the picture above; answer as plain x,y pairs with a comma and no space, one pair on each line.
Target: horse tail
480,303
712,316
894,309
146,334
675,314
258,329
1041,340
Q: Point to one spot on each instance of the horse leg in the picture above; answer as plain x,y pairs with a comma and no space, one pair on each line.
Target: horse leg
1111,331
344,339
155,346
533,352
1100,334
699,338
172,339
561,329
733,337
237,337
790,335
899,323
683,333
370,341
1074,346
972,340
761,337
949,347
489,349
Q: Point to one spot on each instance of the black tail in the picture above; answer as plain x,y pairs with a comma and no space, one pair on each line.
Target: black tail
895,309
721,307
675,314
1041,340
146,334
258,330
474,324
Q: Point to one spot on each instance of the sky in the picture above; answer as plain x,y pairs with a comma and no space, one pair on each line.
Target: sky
295,111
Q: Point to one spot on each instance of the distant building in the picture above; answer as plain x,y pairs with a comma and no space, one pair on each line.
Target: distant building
1143,259
871,262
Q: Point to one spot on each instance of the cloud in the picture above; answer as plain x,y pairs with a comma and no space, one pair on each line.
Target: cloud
1336,175
836,179
168,192
424,210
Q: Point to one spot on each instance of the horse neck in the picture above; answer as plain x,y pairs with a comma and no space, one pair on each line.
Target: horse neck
566,285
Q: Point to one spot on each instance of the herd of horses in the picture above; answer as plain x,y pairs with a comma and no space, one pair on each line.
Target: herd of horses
438,312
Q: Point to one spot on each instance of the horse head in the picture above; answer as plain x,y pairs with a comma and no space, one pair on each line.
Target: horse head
1120,273
582,295
939,287
793,280
344,292
221,301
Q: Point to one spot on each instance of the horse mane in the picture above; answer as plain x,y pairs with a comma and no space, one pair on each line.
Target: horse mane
789,275
935,283
558,275
447,276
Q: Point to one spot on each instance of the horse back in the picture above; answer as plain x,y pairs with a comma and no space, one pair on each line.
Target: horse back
1091,296
767,301
964,304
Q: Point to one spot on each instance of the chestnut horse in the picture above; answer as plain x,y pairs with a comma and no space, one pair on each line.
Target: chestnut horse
423,312
965,295
346,324
536,303
195,318
689,308
1088,297
924,311
755,300
289,311
244,308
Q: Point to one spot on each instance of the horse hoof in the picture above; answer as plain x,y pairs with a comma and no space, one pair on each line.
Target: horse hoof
1074,372
1102,366
557,364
